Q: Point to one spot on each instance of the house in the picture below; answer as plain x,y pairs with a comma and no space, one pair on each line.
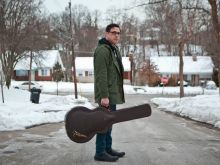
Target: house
195,69
85,73
42,66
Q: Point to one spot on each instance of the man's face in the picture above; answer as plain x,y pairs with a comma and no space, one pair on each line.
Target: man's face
113,36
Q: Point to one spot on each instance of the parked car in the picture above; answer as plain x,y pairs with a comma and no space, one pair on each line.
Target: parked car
164,81
25,86
185,83
210,85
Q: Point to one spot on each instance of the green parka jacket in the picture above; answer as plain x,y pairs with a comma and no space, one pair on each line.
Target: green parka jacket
108,73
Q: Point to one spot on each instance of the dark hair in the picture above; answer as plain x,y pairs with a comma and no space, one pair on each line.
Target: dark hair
110,26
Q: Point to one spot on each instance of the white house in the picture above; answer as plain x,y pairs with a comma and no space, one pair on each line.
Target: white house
84,69
195,68
42,66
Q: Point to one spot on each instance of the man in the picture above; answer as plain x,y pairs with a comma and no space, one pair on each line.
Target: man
108,77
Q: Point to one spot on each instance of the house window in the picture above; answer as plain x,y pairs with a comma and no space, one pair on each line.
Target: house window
80,74
44,72
90,73
21,73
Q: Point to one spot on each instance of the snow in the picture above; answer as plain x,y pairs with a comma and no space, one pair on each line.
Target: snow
204,108
18,112
48,58
86,63
170,64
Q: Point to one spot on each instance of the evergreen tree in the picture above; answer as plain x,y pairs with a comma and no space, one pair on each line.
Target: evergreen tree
57,72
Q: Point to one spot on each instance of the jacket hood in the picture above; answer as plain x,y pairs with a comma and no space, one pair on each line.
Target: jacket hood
106,42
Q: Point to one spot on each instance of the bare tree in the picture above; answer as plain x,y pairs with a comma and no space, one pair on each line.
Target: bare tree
162,16
85,27
61,27
15,17
113,15
149,73
84,31
216,25
178,22
60,23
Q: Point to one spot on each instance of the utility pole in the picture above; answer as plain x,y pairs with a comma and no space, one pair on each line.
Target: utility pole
29,75
3,100
2,42
73,55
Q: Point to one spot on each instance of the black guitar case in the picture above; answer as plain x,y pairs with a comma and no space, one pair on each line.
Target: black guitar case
82,123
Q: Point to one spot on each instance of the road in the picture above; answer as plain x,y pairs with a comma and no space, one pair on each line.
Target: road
160,139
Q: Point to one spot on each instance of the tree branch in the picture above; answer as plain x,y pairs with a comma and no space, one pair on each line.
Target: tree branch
197,8
144,4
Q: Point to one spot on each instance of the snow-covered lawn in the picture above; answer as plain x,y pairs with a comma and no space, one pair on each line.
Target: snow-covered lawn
19,113
204,108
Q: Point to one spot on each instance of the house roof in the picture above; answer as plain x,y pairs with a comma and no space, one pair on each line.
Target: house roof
42,59
170,64
86,63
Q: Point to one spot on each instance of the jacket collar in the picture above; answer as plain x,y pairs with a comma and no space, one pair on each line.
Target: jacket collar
106,42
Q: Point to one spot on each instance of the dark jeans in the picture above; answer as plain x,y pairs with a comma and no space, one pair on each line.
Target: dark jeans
104,140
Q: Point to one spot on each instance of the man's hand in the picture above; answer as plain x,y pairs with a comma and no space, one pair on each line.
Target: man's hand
105,102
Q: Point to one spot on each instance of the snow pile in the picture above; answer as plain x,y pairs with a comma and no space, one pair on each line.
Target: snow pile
204,108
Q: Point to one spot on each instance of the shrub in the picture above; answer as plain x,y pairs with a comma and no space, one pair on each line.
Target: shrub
171,82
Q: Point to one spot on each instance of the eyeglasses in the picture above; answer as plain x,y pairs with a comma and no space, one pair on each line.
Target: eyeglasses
115,33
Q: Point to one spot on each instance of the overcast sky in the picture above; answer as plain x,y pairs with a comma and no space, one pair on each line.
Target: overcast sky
102,5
